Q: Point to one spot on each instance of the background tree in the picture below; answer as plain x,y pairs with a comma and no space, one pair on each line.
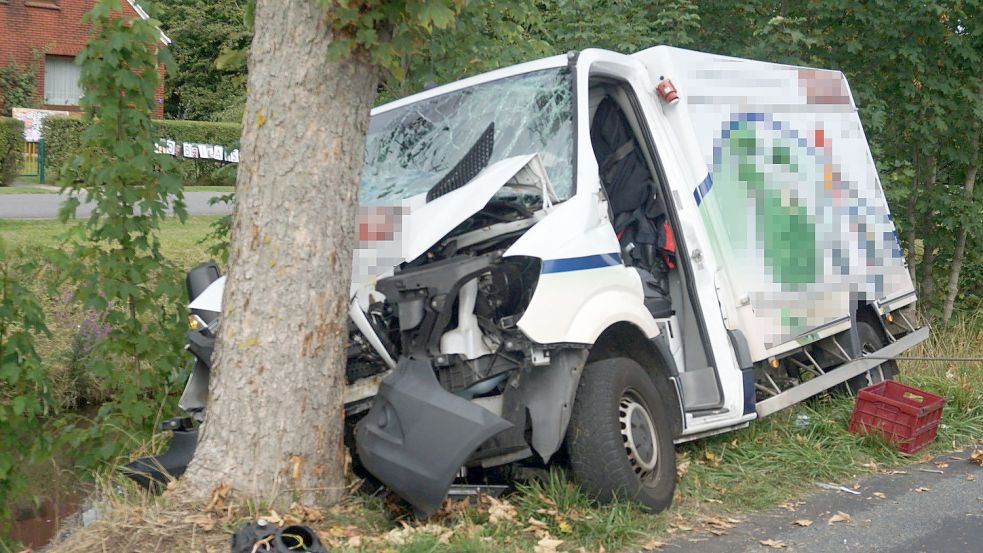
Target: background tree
275,398
202,32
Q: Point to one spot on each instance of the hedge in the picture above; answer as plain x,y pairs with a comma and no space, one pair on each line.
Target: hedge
11,146
62,137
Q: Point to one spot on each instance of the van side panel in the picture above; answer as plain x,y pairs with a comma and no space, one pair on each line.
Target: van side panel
793,206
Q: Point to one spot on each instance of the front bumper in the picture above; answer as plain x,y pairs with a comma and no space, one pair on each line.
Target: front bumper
417,435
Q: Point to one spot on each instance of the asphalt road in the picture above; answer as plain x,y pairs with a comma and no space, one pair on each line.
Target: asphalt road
45,206
945,516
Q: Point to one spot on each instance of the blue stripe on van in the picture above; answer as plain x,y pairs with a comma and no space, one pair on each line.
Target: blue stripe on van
581,263
702,189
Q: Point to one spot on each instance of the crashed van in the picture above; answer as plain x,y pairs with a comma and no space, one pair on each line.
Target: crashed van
592,257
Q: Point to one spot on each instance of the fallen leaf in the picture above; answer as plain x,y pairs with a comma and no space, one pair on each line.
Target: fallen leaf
203,520
976,457
774,544
717,532
654,544
941,464
216,502
682,469
275,518
718,522
803,522
971,477
880,495
547,545
840,516
871,465
788,506
712,458
500,510
564,527
926,458
921,489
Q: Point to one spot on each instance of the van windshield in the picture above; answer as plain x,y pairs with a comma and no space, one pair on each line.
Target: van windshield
409,149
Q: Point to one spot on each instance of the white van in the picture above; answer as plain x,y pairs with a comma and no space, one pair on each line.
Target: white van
609,254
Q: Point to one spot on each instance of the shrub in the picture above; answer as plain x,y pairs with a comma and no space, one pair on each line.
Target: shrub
11,144
62,136
62,140
203,171
18,85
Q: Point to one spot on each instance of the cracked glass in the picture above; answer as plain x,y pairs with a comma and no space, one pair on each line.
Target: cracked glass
410,148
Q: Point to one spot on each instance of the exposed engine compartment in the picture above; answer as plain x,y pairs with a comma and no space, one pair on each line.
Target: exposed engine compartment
469,345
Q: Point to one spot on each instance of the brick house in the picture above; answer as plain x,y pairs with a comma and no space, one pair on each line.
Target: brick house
54,31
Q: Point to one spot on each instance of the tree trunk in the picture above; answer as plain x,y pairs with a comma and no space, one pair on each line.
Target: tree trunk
959,252
911,233
926,287
275,415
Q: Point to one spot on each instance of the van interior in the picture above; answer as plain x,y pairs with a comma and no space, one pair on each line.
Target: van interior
633,182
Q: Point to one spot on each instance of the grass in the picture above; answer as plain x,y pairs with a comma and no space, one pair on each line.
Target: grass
35,190
72,385
24,190
773,461
179,242
722,476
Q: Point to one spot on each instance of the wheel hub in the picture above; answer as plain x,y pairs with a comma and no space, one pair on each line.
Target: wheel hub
638,433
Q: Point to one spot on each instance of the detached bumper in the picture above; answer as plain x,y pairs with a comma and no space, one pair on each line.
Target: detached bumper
155,471
417,435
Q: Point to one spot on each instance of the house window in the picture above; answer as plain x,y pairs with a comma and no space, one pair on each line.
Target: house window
61,81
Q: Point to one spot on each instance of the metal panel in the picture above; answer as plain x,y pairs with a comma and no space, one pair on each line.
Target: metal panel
839,375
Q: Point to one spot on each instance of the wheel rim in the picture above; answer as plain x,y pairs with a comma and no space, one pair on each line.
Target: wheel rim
638,433
875,375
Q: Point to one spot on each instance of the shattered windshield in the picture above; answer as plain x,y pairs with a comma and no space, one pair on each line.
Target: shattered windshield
409,149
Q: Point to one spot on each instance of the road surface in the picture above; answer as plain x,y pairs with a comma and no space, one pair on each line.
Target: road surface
946,515
45,206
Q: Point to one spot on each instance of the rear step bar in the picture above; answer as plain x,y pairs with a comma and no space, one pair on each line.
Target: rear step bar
839,374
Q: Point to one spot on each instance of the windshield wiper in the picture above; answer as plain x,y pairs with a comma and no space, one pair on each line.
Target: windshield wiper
468,168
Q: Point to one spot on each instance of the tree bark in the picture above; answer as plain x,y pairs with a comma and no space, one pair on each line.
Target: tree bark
959,252
925,284
912,220
275,415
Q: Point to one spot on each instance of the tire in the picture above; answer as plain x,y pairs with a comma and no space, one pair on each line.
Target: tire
611,462
871,341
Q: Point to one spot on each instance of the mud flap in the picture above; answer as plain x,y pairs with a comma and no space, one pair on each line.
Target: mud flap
154,472
417,435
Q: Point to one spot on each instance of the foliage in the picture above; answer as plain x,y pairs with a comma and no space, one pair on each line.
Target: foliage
18,86
386,31
203,171
63,140
512,30
620,25
201,31
114,257
11,148
24,388
217,239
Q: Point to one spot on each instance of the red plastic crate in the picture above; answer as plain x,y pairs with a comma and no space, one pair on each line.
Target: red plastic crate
906,416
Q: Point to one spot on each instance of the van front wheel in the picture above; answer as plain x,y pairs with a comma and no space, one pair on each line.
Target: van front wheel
619,438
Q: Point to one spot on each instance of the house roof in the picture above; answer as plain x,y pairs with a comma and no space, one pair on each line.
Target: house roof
143,15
